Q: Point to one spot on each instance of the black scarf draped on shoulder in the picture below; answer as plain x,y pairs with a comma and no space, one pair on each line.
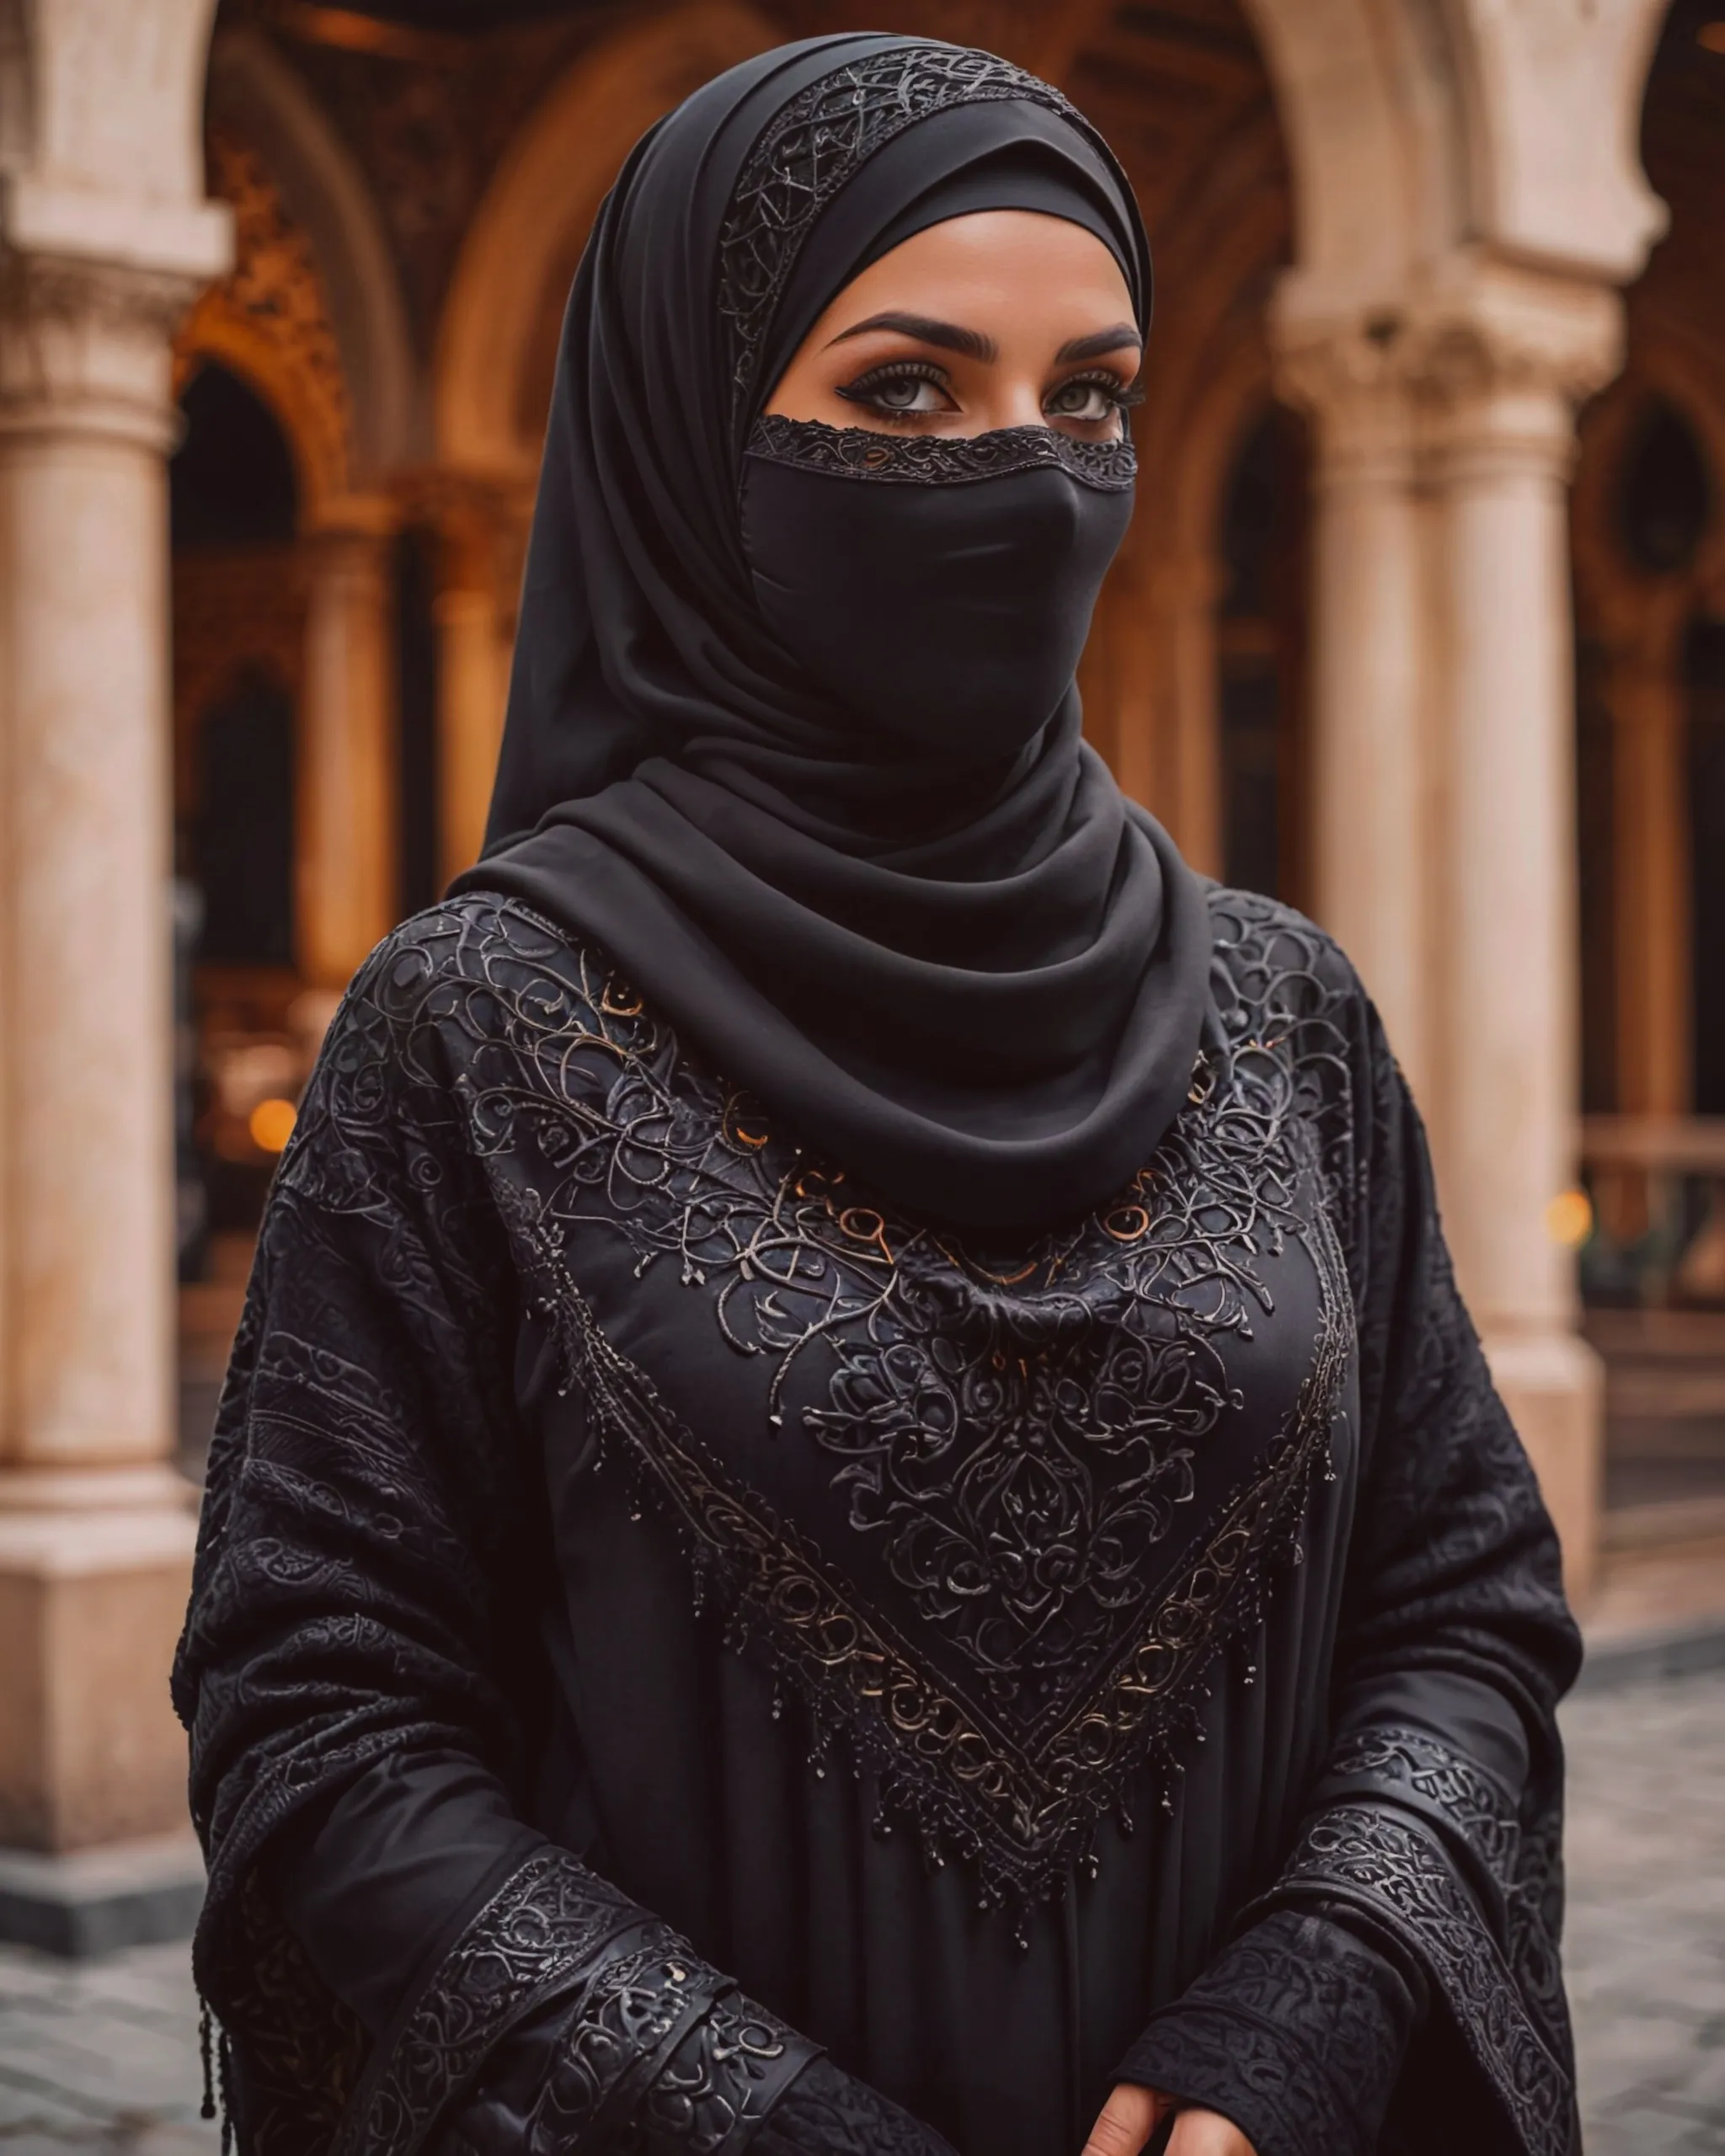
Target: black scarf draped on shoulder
974,982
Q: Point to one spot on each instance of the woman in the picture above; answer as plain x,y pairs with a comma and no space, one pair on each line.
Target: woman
855,1510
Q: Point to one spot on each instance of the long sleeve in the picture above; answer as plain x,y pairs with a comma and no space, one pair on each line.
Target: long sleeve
399,1961
1397,1986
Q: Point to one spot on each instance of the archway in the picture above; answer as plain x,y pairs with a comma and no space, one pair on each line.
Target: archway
1648,536
1262,659
283,702
255,97
497,338
1464,212
1191,109
495,351
268,322
1648,529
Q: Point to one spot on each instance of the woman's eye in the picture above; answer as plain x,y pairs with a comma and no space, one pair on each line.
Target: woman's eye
908,395
901,392
1091,399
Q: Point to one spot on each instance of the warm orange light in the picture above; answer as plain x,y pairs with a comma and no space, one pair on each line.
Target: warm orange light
271,1124
1569,1219
1711,37
350,31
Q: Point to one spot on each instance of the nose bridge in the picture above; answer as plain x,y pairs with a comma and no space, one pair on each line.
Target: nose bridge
1009,531
1019,397
1057,512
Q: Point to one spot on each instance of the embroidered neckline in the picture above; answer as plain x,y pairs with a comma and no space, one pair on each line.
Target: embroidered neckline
995,1751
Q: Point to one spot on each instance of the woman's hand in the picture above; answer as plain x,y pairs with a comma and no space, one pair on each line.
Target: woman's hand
1132,2114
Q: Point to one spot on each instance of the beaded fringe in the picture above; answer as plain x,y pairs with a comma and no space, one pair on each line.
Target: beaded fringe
218,2073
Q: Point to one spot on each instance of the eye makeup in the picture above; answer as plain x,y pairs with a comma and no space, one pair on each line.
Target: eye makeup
877,390
903,392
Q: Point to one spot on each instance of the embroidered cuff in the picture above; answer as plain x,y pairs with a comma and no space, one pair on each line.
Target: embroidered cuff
1391,1870
825,2112
1296,2034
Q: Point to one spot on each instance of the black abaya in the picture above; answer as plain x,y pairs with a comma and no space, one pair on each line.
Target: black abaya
854,1498
1130,1649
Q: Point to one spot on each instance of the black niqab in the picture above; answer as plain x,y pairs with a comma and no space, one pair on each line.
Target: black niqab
974,978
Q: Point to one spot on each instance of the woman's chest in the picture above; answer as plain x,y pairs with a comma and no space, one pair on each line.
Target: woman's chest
993,1508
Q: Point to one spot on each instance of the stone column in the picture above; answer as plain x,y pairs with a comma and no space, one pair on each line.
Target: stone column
473,629
1652,868
1175,768
95,1529
346,871
1503,374
1372,789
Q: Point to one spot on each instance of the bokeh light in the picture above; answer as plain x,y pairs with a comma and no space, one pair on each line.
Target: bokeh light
1569,1219
271,1124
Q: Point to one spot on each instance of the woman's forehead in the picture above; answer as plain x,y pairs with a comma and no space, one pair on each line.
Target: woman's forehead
995,259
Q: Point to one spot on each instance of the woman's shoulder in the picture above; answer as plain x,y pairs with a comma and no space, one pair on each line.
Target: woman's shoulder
476,991
1270,961
475,956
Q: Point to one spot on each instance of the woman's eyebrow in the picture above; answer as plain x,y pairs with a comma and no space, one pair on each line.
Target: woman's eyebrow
1101,340
950,336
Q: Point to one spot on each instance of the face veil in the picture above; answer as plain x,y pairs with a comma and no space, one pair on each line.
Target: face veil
885,890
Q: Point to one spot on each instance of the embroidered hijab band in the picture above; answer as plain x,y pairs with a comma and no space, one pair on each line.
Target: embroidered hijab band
753,748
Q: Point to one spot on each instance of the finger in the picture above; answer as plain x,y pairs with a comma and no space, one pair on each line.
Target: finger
1125,2122
1207,2133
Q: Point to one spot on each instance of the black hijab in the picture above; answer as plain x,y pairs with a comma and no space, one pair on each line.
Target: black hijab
966,971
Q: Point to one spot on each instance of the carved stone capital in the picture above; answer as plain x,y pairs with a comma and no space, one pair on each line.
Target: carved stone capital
1518,334
1355,383
1487,357
85,346
1503,377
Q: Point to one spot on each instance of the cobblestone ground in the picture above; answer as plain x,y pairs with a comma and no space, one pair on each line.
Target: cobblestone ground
103,2060
1646,1944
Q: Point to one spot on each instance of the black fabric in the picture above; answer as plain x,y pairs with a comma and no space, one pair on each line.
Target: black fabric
973,155
1043,177
990,584
868,870
433,1833
1296,2033
821,2108
955,1640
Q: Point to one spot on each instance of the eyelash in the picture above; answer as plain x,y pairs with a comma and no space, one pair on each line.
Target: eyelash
1124,397
858,391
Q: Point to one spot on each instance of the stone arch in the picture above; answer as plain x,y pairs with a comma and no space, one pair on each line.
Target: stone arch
1688,380
1204,381
1641,1015
268,321
522,245
1369,138
254,93
1422,130
1550,103
1193,120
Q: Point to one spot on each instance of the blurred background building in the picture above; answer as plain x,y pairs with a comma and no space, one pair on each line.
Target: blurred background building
1421,625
